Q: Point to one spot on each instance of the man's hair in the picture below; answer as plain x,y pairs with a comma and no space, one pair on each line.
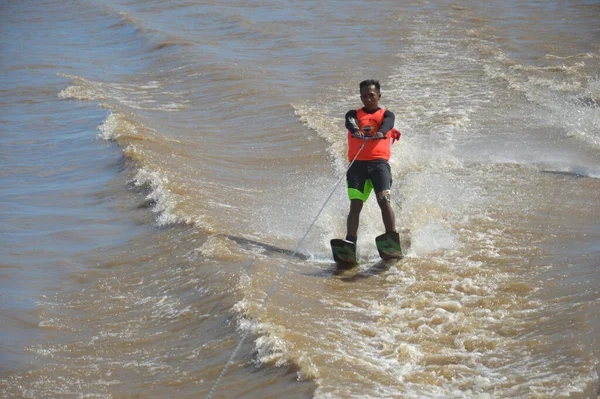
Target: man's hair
370,82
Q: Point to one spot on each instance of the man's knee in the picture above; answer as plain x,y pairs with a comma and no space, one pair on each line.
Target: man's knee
384,197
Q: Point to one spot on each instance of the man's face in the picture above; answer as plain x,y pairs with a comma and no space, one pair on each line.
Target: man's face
370,97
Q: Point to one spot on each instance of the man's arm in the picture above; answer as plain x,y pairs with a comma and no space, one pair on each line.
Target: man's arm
388,122
351,124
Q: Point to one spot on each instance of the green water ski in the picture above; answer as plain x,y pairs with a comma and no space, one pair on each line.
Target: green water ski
388,245
344,252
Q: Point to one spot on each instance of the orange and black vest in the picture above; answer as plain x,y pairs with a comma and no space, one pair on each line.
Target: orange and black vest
374,149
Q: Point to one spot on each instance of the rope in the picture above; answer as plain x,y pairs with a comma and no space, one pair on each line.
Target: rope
279,276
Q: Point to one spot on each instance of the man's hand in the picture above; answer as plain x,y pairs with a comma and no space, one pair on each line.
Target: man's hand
358,134
395,135
379,135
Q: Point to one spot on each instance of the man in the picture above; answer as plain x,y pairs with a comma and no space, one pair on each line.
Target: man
370,135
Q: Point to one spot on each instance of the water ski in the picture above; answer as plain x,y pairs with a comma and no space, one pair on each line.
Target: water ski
388,245
344,252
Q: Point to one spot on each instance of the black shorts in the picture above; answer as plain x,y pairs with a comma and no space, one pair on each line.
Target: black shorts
363,176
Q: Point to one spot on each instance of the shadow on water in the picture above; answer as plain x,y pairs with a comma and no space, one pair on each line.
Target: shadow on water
588,102
354,273
375,269
248,243
574,174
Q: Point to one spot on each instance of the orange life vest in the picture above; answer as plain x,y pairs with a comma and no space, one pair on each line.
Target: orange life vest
374,149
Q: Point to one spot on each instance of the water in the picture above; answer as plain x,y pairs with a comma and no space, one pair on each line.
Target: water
156,156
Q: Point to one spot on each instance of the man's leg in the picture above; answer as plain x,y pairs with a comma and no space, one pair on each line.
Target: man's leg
353,219
359,188
387,213
381,175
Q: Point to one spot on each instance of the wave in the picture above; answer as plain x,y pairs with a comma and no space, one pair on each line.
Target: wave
142,95
159,197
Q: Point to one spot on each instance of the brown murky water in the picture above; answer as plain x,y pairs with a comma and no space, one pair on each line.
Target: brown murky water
161,160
